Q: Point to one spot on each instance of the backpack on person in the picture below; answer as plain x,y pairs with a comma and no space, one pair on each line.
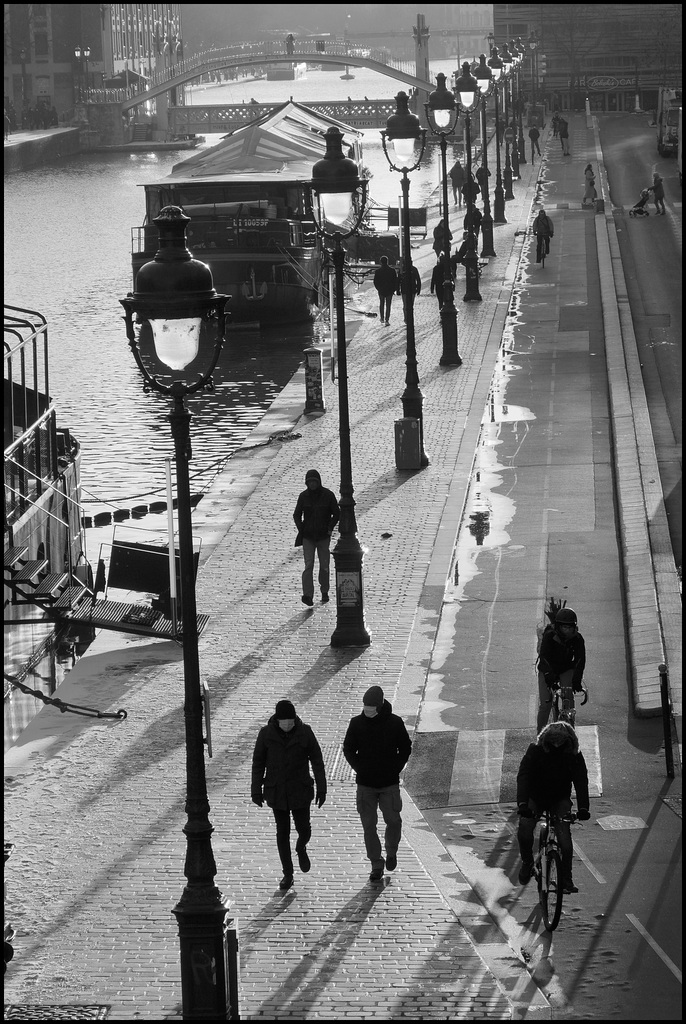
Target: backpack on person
545,629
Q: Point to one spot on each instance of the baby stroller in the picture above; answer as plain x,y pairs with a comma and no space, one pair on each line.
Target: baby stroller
639,209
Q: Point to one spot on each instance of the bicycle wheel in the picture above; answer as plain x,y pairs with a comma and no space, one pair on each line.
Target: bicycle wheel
551,891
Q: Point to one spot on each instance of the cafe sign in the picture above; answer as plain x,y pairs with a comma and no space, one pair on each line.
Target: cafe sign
609,82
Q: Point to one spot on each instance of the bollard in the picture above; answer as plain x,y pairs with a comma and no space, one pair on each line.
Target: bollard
314,381
599,205
666,719
408,449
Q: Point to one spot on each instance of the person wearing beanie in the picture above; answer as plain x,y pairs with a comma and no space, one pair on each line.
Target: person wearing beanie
547,772
284,750
316,514
377,747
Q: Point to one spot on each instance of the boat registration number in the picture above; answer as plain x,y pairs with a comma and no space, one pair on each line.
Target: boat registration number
250,222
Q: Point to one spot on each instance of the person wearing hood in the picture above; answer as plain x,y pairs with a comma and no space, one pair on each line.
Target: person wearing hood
284,750
316,514
658,190
547,772
377,747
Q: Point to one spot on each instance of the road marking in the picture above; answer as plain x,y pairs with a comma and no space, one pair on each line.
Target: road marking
653,944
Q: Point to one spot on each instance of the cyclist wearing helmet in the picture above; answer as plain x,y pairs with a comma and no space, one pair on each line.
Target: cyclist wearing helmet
561,660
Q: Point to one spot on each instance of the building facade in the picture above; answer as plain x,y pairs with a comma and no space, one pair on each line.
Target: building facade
63,54
617,55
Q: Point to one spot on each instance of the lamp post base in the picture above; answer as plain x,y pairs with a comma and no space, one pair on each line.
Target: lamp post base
450,355
487,235
499,206
472,293
209,956
350,630
413,407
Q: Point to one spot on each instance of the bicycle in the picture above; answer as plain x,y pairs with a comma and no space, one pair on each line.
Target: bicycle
563,705
548,868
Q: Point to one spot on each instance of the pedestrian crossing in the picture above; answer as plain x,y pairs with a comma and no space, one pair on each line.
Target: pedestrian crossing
464,767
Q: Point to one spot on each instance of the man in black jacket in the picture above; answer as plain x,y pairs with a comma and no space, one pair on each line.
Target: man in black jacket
284,750
316,514
546,774
378,747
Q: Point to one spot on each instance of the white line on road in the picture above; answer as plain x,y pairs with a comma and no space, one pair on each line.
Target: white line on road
653,944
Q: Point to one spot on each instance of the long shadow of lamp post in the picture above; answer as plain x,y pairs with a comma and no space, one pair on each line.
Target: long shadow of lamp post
403,131
467,89
175,326
442,117
496,66
484,77
340,200
506,58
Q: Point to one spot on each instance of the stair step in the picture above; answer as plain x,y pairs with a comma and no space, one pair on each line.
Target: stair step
14,555
51,585
29,572
70,597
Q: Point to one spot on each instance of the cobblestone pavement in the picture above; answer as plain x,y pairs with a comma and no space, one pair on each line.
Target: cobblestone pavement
96,809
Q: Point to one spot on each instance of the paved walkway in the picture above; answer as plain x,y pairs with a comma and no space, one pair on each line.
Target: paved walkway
96,809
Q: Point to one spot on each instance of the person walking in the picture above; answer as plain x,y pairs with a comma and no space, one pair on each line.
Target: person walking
590,193
658,190
416,284
564,137
316,514
477,217
534,135
457,179
544,230
386,284
547,772
438,278
556,124
377,747
284,750
439,245
561,660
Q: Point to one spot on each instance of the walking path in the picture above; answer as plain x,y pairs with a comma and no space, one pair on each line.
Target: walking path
96,809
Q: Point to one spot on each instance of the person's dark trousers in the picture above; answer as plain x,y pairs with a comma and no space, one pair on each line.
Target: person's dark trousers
525,834
301,820
370,800
385,306
534,146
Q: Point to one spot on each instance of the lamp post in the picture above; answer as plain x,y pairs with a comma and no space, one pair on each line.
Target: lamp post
335,184
82,53
533,47
22,61
403,131
509,134
496,66
175,326
467,89
512,122
520,104
484,77
440,111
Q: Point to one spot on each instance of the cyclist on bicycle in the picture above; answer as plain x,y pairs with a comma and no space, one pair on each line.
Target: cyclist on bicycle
561,661
544,230
546,774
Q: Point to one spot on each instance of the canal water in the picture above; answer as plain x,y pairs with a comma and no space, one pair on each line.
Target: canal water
67,254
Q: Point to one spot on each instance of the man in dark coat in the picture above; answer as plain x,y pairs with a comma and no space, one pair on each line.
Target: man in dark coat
386,284
316,514
546,774
378,747
534,135
284,750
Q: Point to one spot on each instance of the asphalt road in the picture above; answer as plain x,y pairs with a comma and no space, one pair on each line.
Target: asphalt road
652,261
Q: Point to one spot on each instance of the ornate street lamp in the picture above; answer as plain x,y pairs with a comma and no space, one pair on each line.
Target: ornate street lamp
338,198
175,326
533,47
520,104
442,117
484,77
82,53
496,66
507,72
513,69
403,131
467,89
